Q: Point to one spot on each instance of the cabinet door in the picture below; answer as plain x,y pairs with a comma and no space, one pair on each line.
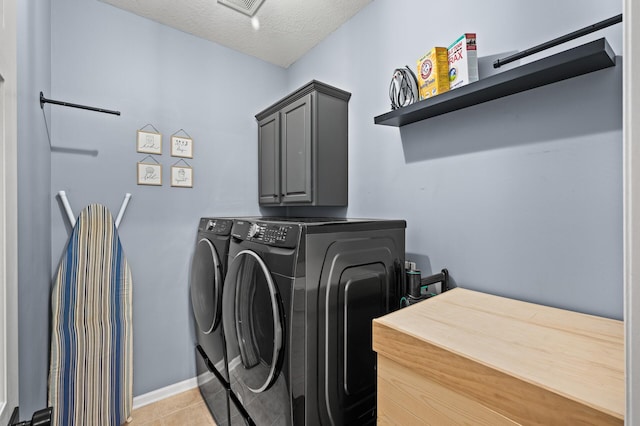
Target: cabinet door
296,151
269,159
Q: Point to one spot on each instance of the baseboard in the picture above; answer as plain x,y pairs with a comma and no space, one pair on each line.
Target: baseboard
166,392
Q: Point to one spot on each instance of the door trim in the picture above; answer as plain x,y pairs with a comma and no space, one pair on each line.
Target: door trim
631,196
8,212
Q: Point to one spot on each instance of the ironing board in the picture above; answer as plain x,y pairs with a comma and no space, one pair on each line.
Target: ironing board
91,366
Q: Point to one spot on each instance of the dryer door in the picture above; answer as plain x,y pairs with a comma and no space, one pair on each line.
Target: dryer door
206,286
252,320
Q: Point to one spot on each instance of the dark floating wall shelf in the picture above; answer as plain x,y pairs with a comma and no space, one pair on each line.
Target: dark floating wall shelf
589,57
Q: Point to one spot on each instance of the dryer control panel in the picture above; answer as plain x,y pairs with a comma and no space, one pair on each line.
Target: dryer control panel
273,234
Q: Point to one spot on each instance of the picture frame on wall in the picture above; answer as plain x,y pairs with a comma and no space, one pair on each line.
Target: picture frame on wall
181,147
181,176
149,142
149,174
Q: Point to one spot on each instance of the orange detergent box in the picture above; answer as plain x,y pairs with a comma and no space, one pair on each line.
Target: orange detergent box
463,61
433,73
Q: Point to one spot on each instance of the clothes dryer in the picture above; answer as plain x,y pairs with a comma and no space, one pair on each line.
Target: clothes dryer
208,268
298,301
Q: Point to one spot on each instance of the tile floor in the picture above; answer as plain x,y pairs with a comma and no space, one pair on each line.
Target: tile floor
186,408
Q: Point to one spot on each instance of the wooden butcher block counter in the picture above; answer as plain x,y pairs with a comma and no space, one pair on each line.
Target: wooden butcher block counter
465,357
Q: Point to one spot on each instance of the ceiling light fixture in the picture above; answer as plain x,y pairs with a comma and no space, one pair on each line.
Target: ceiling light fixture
255,23
247,7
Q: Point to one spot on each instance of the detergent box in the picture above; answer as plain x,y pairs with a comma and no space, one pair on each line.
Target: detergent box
463,61
433,70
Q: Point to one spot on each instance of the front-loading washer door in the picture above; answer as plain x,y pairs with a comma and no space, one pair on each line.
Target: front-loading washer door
206,286
252,321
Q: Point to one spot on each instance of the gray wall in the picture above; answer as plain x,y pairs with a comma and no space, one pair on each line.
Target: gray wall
155,75
34,218
520,196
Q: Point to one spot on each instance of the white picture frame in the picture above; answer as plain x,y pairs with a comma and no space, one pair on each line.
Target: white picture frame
149,174
149,142
181,147
182,176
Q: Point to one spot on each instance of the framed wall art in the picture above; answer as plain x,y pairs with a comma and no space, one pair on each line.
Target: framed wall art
149,142
182,176
149,174
181,146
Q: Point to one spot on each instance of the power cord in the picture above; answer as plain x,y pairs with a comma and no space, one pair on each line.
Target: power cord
403,89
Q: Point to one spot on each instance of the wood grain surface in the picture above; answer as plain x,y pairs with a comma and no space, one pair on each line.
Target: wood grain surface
527,363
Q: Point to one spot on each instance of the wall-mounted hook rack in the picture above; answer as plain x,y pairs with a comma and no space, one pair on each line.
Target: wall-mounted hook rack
44,100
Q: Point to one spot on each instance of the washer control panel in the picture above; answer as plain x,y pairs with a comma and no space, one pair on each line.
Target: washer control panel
216,226
273,234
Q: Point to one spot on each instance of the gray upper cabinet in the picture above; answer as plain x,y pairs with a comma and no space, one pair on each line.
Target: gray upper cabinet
295,144
269,159
303,148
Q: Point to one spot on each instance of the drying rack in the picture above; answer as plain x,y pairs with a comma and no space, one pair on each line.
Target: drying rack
44,100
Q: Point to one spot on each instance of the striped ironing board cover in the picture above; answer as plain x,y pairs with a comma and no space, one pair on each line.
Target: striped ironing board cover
91,366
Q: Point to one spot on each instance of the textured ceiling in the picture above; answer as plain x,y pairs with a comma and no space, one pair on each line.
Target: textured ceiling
288,28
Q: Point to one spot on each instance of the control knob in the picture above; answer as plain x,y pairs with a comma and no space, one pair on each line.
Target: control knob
254,231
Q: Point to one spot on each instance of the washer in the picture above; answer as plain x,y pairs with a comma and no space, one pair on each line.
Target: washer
208,270
298,301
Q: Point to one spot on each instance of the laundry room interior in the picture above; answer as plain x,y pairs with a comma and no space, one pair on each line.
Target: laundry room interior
519,197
